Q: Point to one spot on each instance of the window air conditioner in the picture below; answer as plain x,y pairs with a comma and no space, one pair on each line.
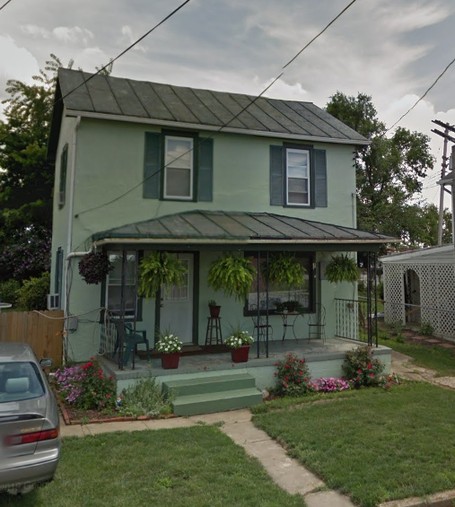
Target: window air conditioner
53,301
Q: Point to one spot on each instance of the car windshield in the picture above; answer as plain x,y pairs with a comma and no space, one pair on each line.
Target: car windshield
19,381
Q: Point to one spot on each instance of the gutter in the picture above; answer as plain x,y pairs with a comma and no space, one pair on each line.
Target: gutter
218,129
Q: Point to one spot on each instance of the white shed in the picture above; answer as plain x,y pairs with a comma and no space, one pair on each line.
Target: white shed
419,289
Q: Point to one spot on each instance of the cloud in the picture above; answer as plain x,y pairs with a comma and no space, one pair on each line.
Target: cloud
36,31
129,38
72,35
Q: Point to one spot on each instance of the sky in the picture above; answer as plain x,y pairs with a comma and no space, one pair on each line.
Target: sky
391,50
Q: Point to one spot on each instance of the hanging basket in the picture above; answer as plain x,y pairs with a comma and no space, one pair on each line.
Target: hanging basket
94,267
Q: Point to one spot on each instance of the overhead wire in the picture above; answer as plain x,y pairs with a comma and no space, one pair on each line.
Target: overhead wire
234,117
5,4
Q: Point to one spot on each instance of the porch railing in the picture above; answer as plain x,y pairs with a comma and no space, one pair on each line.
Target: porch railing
352,320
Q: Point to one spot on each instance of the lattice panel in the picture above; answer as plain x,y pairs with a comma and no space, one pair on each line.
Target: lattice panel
437,293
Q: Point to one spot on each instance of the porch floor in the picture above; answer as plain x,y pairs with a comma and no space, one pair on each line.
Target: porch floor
312,351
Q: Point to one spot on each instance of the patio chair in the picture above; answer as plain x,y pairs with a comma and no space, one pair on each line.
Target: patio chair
261,328
316,324
131,339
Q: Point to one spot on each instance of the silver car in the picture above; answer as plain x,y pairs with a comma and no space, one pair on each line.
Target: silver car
29,421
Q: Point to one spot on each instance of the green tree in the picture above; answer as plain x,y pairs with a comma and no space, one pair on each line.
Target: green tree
26,180
389,171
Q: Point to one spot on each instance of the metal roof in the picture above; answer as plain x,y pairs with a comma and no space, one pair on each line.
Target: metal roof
444,254
245,228
166,105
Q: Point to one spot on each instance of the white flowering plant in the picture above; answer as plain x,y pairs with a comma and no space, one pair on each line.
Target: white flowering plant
169,343
239,339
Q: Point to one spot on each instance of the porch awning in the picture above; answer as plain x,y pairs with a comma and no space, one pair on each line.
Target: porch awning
235,228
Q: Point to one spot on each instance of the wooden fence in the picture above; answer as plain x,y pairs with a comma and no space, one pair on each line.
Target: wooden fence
43,331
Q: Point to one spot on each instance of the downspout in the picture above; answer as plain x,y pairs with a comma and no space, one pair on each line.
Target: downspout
69,253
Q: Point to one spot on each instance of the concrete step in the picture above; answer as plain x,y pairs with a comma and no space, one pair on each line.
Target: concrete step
219,401
208,384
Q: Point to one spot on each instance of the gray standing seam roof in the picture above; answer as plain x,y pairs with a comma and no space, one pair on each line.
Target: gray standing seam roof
208,226
205,109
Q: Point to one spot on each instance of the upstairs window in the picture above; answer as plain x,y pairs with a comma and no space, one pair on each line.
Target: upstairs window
298,177
178,167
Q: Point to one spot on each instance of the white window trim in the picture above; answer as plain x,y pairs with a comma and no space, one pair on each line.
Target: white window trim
295,150
191,168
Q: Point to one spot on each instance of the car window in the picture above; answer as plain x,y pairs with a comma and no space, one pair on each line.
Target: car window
19,381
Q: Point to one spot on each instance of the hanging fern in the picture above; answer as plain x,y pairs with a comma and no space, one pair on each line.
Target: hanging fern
285,269
233,274
342,268
158,269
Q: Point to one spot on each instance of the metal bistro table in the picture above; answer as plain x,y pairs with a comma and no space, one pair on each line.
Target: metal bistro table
289,319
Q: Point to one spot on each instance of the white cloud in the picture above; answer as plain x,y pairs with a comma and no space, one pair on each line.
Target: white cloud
72,35
36,31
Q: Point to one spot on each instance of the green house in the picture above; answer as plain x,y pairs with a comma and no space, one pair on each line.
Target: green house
142,167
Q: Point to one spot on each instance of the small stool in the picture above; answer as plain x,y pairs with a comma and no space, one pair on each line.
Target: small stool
213,331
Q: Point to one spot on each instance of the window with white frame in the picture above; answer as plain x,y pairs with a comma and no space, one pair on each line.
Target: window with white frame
124,267
178,167
298,177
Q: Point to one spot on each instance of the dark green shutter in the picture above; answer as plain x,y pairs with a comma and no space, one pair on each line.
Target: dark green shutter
320,178
276,176
152,166
205,172
63,171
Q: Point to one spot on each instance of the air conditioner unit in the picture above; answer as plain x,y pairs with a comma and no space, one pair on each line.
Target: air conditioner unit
53,301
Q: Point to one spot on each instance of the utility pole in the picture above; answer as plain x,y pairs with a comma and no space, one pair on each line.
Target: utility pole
445,180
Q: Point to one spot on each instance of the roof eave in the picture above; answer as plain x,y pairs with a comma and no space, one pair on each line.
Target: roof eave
214,128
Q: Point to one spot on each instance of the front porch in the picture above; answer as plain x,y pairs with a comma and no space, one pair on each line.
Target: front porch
324,359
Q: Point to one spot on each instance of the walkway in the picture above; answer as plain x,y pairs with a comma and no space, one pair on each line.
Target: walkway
285,471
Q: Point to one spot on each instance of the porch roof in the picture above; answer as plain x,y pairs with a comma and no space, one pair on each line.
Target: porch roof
236,228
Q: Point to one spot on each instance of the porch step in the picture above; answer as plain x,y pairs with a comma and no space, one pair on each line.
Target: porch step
212,393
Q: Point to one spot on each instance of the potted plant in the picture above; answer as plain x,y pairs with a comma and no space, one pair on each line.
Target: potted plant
170,347
94,267
233,274
214,309
341,268
239,342
285,269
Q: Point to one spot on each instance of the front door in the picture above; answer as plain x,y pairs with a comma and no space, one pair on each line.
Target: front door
177,305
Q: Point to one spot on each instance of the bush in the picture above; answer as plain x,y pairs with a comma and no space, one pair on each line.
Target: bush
426,329
330,385
361,369
9,291
293,377
144,398
33,293
85,386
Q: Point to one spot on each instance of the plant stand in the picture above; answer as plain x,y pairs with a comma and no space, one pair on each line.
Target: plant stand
170,361
213,331
240,355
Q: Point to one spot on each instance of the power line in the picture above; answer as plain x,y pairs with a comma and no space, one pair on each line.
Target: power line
231,119
424,95
131,46
5,4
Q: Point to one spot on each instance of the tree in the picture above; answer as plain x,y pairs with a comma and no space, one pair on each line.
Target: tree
389,171
26,180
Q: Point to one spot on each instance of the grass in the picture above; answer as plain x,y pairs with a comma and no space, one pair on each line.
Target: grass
374,445
441,360
198,467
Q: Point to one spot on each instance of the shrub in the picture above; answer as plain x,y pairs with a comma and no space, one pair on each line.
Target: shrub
9,291
33,293
426,329
361,368
85,386
144,398
293,377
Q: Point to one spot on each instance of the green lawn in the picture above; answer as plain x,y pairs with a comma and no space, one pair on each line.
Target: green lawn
435,358
198,466
374,445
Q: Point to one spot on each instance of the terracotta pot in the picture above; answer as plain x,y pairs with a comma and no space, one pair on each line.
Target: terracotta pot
214,311
240,355
170,361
